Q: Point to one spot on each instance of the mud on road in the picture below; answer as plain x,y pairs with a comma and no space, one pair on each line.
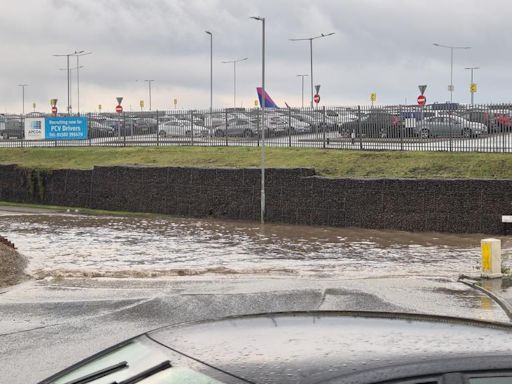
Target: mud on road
12,266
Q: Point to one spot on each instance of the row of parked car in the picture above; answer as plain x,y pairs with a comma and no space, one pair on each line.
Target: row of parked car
388,125
374,122
370,123
234,124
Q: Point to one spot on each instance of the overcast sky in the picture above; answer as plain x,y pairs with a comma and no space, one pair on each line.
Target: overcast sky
381,46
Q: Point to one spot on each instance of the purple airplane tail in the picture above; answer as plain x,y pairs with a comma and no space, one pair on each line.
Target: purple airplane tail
269,103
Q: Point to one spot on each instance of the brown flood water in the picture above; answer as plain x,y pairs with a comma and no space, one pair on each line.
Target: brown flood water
76,245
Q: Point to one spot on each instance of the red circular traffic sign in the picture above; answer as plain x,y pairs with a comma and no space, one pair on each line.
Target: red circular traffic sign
422,100
119,108
316,98
54,110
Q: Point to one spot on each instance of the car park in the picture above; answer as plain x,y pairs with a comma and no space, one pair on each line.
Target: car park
449,126
308,347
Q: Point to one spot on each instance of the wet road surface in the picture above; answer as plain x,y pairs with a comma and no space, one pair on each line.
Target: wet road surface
48,326
75,245
98,280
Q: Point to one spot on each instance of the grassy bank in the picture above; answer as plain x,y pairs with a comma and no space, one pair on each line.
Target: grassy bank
326,162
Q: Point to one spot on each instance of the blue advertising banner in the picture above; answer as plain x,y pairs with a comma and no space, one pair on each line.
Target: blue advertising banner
65,128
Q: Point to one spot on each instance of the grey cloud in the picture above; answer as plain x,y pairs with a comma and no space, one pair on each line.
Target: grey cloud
379,46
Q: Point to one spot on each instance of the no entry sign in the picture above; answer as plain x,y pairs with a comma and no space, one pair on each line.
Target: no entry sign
316,98
422,100
119,108
54,110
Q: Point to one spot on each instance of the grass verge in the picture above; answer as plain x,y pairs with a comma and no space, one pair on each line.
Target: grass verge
336,163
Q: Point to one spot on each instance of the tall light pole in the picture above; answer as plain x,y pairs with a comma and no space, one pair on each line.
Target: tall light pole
302,77
78,54
472,81
211,70
234,76
23,97
67,55
310,39
263,98
149,89
70,70
451,48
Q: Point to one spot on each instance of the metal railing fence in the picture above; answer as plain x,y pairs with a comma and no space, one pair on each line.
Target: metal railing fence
437,127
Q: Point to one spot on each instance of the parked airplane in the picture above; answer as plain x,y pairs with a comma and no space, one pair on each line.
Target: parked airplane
269,103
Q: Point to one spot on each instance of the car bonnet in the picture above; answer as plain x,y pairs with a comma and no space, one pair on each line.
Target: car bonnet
309,347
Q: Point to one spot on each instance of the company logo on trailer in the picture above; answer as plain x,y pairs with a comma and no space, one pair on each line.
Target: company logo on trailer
34,128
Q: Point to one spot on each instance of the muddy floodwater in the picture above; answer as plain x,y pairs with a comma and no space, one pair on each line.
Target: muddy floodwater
74,245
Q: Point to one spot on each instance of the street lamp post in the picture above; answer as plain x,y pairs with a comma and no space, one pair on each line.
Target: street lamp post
23,97
472,81
149,89
234,76
451,48
211,70
70,70
310,39
67,55
263,98
302,78
78,54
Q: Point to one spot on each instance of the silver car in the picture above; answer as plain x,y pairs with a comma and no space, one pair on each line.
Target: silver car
237,127
179,128
446,126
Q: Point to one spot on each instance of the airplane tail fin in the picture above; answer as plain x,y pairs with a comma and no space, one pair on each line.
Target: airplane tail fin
269,103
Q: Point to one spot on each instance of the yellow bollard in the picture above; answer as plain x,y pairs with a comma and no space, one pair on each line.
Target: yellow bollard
491,258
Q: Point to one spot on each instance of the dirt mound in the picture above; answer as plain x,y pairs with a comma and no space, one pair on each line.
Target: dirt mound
12,265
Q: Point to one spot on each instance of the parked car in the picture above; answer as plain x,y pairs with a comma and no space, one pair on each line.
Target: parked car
481,116
374,124
503,121
277,125
340,117
145,125
180,128
306,118
446,126
214,120
308,347
237,128
298,126
328,123
12,129
315,120
99,129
